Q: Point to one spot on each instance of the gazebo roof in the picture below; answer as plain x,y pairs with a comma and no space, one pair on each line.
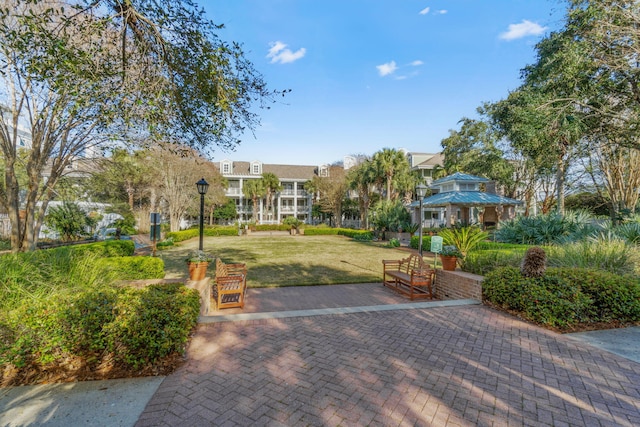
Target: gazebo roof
466,198
459,176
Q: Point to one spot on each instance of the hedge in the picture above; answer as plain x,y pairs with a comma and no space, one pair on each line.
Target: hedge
182,235
107,248
136,327
565,297
133,268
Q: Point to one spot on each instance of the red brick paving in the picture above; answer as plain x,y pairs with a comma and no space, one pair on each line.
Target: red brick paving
450,366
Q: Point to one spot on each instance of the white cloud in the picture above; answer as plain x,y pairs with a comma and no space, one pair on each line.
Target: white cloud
386,69
441,12
279,53
425,11
523,29
417,63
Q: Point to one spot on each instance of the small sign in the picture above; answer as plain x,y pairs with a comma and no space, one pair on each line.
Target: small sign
155,218
154,232
436,244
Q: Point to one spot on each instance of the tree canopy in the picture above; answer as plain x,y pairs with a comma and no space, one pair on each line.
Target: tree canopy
92,73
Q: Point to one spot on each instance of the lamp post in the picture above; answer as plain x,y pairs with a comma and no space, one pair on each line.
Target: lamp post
202,186
421,190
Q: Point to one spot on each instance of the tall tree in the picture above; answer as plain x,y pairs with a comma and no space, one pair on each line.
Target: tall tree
389,163
361,179
253,189
271,184
331,191
81,75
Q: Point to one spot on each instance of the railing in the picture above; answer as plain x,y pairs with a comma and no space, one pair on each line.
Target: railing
290,192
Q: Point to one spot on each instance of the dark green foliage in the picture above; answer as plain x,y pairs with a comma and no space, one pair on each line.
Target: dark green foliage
134,326
68,219
544,229
152,323
133,268
589,201
390,216
355,234
565,297
321,231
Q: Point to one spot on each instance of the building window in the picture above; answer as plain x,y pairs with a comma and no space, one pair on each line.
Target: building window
226,168
256,168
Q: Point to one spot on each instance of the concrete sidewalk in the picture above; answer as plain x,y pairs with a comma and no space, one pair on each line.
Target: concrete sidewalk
385,361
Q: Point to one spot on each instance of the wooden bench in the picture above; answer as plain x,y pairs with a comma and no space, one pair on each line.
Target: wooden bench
231,284
409,276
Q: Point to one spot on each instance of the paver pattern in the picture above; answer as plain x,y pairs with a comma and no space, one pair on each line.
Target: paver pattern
451,366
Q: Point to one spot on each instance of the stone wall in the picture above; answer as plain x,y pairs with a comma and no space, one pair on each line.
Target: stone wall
458,285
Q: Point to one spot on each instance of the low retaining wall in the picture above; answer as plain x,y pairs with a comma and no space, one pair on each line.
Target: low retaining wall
458,285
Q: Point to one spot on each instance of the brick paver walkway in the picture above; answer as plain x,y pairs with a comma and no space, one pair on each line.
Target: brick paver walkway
450,366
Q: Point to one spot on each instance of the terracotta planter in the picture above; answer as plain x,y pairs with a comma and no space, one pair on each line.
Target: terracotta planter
449,262
197,270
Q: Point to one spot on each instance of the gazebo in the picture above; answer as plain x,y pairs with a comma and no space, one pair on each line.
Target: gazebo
457,199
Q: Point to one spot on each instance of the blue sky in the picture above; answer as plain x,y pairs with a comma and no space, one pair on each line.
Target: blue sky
371,74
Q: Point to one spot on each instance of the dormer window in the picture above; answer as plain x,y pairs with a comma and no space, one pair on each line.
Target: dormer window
324,170
226,167
256,168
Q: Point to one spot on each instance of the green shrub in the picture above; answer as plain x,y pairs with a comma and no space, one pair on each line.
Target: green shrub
482,262
107,248
545,229
133,268
320,231
182,235
355,234
426,243
614,297
152,323
465,239
394,243
565,297
133,326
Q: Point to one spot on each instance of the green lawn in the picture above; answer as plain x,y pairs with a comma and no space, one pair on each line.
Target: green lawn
291,260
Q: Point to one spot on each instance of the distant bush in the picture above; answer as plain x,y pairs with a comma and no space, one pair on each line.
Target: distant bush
565,297
320,231
546,229
133,268
426,243
182,235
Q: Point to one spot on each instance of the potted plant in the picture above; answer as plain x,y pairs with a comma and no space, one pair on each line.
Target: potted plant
449,256
198,261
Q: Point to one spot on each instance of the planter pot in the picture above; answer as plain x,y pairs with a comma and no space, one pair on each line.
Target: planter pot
449,262
197,270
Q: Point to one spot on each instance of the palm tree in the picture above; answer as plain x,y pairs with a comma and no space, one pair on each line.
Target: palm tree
361,179
253,189
271,185
388,163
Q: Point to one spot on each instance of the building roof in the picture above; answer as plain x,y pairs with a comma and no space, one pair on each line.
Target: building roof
281,171
466,198
459,176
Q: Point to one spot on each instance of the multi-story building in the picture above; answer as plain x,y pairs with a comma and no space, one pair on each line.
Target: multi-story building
292,200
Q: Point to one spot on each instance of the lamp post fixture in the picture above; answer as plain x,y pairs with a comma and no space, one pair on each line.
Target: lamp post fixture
202,186
421,191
